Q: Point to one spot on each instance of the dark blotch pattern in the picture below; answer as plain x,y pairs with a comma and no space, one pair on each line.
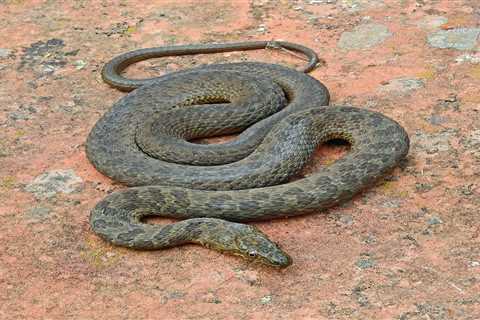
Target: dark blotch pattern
130,235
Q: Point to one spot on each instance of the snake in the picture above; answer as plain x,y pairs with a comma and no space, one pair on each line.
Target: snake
147,141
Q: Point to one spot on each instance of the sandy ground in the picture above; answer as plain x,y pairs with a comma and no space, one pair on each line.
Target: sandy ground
407,248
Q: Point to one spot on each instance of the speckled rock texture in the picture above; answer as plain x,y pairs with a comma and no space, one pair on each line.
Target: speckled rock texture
407,248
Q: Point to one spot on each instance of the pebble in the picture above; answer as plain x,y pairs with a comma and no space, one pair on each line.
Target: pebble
357,5
345,219
470,58
365,263
266,299
79,64
364,36
460,39
369,239
474,264
262,28
434,221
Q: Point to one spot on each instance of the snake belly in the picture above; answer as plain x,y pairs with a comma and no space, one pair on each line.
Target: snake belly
211,199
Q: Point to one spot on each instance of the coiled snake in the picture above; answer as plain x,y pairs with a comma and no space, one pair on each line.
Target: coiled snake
282,114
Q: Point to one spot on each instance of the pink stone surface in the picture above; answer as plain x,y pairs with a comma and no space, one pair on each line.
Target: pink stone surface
407,248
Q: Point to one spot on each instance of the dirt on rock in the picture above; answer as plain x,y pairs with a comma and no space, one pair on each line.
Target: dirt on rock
407,248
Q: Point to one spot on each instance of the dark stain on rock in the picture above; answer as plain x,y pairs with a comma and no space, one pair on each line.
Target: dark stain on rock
48,54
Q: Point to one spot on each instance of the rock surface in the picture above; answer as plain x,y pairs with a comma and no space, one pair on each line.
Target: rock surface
364,36
460,39
50,183
407,248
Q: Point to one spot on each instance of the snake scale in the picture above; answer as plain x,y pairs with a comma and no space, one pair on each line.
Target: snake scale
281,115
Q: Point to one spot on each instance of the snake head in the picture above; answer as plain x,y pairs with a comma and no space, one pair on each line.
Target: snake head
254,245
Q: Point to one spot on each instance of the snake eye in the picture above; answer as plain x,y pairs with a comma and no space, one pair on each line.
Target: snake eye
252,254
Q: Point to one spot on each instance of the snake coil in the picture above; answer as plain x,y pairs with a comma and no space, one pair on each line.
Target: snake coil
281,115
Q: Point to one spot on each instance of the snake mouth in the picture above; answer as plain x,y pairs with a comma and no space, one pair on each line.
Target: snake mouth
281,262
277,260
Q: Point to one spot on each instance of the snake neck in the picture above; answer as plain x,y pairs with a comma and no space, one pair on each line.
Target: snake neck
212,233
128,228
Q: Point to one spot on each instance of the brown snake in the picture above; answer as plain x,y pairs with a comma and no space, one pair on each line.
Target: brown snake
144,141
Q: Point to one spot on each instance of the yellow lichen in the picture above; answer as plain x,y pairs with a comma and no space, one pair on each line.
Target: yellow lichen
428,74
19,133
98,254
391,188
130,30
8,182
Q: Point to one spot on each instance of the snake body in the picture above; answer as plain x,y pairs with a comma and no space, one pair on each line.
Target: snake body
143,141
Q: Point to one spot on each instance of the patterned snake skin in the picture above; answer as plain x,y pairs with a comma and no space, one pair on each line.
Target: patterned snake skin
143,141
